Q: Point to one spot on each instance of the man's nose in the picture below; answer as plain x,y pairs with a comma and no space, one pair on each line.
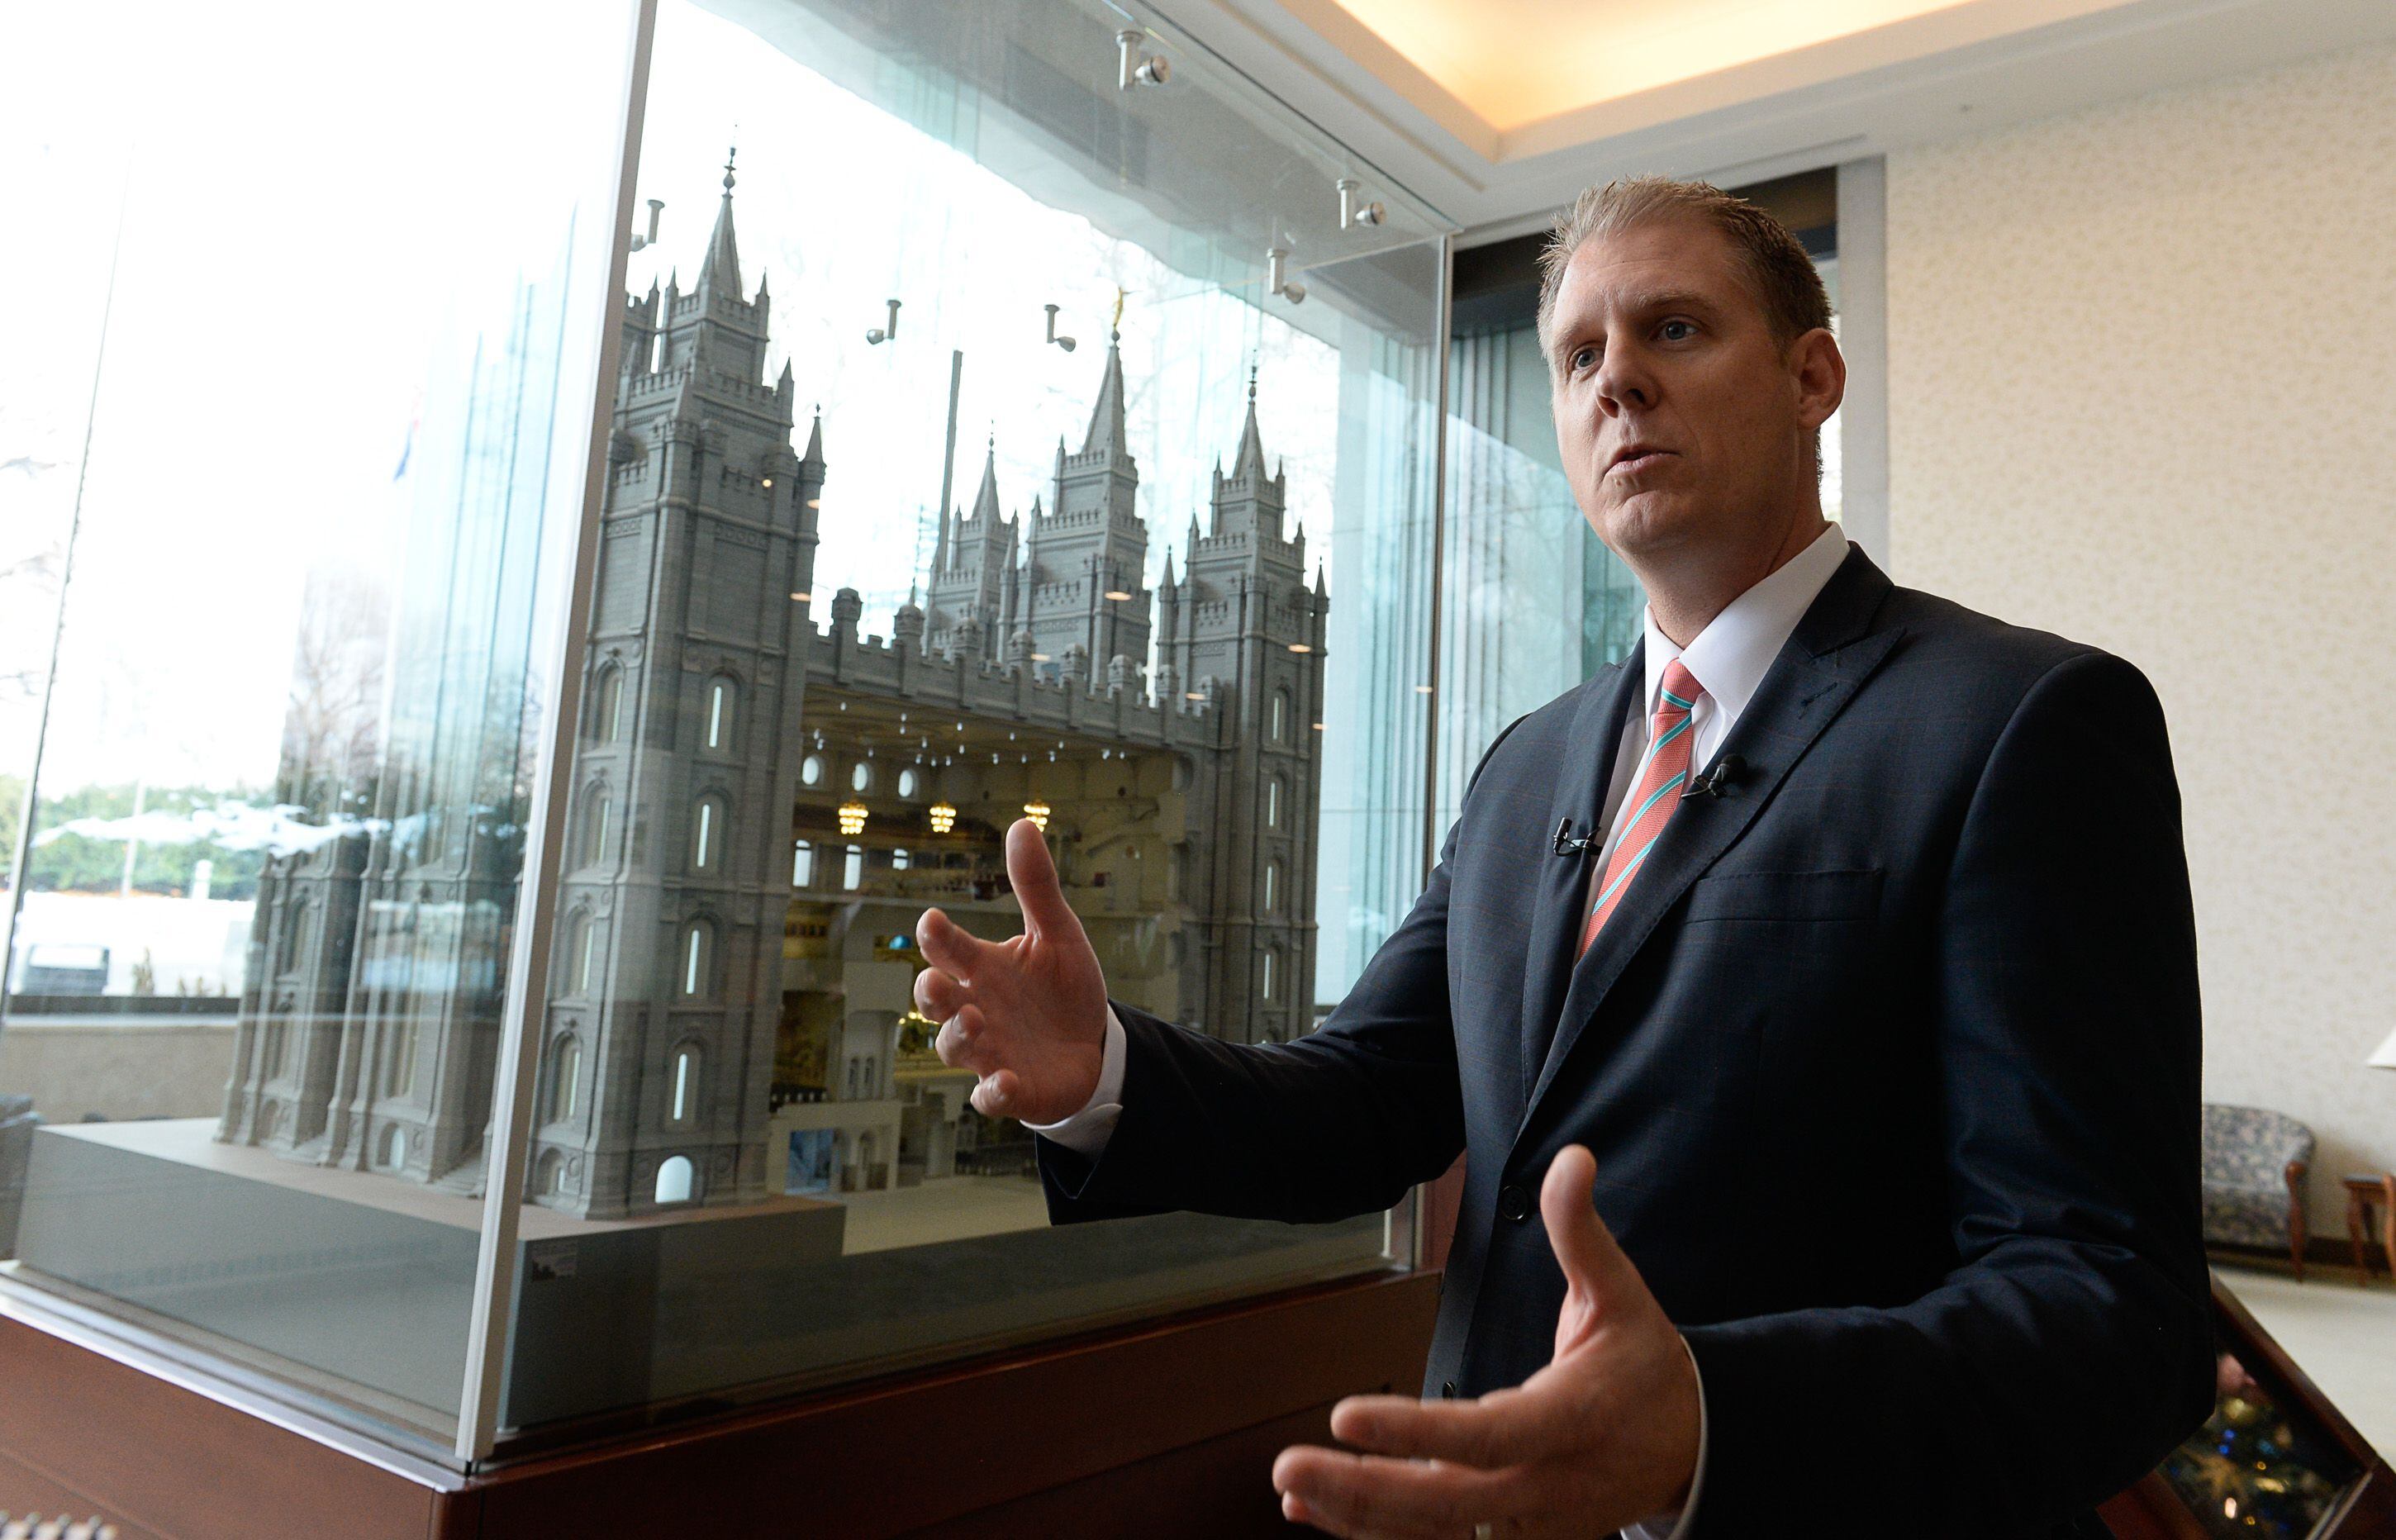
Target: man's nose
1624,381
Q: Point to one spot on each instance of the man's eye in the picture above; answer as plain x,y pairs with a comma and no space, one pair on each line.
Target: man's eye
1686,328
1583,357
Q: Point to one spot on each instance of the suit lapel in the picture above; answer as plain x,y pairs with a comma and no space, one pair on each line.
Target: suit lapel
1556,919
1820,669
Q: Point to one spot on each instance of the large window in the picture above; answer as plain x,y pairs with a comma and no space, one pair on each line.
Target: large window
980,439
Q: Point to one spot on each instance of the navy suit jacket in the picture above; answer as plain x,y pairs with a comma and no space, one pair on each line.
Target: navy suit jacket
1888,1057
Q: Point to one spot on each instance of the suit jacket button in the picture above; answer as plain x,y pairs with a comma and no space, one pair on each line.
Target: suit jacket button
1512,1203
1447,1389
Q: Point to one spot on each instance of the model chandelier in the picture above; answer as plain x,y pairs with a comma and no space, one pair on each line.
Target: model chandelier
944,817
852,817
1037,811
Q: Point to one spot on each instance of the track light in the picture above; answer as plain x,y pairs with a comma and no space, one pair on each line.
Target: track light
1136,66
1277,279
1354,211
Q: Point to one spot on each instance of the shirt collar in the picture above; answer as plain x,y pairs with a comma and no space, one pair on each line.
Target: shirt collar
1731,656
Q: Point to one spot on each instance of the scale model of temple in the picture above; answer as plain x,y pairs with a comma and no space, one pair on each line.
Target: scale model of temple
761,805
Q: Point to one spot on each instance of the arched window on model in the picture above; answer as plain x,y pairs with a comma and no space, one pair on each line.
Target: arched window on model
852,870
565,1078
550,1176
1281,716
899,859
608,705
598,811
1273,803
1272,887
1266,963
692,967
673,1179
294,931
581,953
811,770
706,834
803,864
399,1069
394,1148
908,782
683,1101
723,698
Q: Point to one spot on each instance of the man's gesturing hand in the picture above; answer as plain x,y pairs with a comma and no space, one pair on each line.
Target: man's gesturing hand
1604,1435
1029,1014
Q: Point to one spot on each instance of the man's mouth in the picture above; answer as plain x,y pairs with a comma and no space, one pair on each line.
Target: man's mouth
1630,463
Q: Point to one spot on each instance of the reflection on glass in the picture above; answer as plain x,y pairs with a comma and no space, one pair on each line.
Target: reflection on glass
1091,587
279,818
2256,1467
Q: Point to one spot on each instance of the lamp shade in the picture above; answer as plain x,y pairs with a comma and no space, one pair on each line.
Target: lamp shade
2384,1057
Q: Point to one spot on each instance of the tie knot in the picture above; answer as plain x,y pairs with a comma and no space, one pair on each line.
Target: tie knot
1681,690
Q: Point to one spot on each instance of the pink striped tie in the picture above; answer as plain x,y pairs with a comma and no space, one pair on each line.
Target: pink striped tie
1655,794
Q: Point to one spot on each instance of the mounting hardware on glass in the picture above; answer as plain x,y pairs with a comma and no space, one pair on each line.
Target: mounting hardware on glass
657,207
1139,66
1354,212
885,333
1277,279
1064,342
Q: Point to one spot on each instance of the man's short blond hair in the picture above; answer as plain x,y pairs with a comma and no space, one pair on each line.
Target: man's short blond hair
1786,282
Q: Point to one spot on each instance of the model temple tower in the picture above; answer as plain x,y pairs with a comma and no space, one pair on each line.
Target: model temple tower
693,952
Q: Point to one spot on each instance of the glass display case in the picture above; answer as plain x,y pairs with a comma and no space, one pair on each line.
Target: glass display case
697,519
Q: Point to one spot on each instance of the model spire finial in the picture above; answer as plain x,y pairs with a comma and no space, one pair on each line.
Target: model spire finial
1249,463
728,154
721,269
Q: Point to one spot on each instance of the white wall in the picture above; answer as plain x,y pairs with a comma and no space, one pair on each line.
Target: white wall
2142,391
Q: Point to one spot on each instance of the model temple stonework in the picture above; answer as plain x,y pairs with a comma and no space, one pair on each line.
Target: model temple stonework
760,806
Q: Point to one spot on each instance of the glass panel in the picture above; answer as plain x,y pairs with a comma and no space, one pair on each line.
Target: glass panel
335,459
1003,482
2261,1464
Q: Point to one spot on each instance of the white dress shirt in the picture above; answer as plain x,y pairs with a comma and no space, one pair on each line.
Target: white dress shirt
1729,659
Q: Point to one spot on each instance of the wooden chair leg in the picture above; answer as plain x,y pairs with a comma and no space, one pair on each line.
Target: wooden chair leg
2387,1219
2295,1175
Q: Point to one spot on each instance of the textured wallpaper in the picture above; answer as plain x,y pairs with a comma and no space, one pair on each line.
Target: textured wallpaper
2142,391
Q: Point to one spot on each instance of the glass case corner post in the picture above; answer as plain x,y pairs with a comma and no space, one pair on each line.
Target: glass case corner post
496,1279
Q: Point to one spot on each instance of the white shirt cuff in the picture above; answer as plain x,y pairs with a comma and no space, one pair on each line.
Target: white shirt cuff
1674,1525
1085,1132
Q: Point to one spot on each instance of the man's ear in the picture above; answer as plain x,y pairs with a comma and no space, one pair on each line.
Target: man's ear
1820,371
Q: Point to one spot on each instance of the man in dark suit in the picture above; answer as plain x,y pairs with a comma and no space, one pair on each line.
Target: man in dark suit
1812,995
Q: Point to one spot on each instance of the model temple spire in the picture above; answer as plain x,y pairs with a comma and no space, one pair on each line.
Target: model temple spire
1107,417
722,268
986,500
1249,465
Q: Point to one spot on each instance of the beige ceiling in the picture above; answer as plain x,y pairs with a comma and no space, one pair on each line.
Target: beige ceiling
1516,61
1495,112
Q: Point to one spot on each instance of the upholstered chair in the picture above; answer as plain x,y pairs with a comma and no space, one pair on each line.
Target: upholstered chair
2254,1163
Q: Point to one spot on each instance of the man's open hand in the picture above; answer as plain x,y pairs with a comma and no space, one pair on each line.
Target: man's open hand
1604,1435
1028,1015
